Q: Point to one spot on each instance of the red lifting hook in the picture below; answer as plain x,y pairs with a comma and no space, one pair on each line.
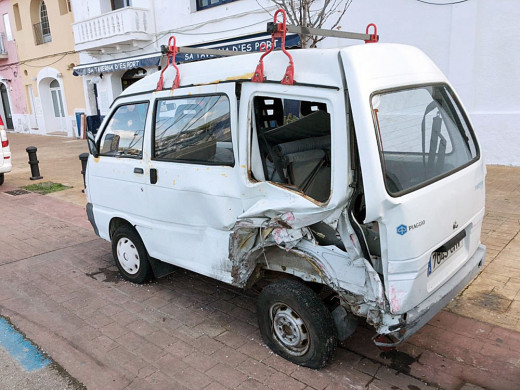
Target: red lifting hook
280,31
373,37
171,53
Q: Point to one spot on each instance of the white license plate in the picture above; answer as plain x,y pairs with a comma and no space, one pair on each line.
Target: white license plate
439,257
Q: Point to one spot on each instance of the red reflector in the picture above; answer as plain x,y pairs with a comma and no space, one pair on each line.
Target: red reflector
5,143
7,158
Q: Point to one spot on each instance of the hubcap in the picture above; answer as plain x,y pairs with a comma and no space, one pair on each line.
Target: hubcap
128,256
289,329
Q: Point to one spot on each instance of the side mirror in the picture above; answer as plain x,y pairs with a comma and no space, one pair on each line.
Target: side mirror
92,147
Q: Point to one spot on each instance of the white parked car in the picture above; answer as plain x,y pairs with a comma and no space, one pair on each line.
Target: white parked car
5,153
356,192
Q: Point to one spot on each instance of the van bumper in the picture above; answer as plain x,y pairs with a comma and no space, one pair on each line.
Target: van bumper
426,310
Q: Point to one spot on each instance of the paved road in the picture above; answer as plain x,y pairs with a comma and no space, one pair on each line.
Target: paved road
59,286
24,366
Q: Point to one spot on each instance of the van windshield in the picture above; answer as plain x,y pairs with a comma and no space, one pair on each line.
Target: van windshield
422,135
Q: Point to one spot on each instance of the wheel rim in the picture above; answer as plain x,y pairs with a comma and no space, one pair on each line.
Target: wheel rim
128,256
289,330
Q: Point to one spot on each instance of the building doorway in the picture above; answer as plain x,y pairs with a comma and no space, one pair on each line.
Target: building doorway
53,106
6,106
57,102
131,76
116,4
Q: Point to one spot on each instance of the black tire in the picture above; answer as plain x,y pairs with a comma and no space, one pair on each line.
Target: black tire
1,179
130,255
295,324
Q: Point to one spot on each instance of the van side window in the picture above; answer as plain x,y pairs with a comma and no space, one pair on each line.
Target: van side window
293,141
123,135
194,129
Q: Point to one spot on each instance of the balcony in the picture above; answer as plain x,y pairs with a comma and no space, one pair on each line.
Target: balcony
110,31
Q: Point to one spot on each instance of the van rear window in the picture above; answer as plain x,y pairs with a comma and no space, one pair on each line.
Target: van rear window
423,136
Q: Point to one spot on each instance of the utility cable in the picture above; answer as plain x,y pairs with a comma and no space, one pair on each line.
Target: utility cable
452,3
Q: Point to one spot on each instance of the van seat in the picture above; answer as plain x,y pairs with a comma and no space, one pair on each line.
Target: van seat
307,163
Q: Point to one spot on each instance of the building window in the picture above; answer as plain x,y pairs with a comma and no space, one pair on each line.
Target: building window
17,19
64,6
203,4
43,31
7,25
116,4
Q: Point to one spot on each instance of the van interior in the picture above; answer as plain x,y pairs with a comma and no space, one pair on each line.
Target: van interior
293,138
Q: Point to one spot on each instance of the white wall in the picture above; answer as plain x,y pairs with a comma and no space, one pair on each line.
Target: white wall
476,43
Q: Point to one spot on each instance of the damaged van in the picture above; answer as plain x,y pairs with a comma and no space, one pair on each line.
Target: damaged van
355,188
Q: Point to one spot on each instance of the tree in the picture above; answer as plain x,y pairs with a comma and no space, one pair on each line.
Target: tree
313,14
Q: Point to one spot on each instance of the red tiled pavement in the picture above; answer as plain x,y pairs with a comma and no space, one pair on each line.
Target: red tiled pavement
58,284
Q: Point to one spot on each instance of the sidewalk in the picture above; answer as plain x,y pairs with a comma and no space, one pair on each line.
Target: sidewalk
58,284
59,163
494,296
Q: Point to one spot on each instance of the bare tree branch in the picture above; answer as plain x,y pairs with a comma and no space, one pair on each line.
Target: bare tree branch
314,14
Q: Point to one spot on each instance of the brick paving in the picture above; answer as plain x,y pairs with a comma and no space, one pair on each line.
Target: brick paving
59,285
59,163
494,297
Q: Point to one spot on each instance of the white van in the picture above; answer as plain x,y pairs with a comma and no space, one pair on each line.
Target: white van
358,191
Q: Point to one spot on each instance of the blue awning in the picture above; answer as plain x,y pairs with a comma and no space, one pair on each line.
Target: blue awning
248,43
125,64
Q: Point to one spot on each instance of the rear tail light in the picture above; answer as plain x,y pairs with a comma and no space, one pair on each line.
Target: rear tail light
5,143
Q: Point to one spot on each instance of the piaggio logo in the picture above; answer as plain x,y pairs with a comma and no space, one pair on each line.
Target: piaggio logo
402,230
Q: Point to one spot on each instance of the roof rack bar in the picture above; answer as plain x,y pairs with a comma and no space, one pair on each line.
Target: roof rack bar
328,33
210,52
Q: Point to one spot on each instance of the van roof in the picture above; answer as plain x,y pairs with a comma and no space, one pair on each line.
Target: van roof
312,66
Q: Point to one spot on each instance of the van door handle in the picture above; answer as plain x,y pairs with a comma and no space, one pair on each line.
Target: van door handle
139,170
153,175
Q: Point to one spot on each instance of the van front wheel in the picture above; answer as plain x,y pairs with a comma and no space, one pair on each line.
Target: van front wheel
295,324
130,255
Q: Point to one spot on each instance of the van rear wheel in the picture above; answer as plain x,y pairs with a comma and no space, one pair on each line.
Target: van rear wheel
130,255
1,179
295,324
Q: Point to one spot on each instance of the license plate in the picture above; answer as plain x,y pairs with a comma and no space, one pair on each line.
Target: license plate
439,257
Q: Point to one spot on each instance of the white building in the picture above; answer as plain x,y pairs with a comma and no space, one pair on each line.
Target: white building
475,42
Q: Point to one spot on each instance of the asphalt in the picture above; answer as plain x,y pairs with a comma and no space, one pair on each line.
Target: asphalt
60,289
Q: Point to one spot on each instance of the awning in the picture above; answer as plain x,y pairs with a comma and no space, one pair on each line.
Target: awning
247,43
143,61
